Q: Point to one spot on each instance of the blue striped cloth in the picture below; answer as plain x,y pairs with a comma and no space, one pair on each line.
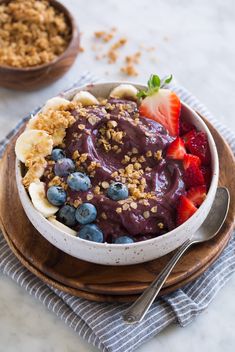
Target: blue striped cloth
100,323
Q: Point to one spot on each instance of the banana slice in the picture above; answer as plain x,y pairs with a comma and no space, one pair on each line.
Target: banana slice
39,200
61,226
124,91
33,143
85,98
54,104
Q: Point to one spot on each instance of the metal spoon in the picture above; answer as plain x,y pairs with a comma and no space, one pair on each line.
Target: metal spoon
206,231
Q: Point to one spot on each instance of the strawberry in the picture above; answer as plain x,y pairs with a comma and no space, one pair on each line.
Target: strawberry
176,149
197,195
185,210
161,105
187,136
190,159
185,127
198,145
206,171
193,176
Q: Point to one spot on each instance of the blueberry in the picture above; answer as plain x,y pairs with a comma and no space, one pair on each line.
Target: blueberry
91,232
67,215
79,181
117,191
86,213
64,167
123,240
57,154
56,195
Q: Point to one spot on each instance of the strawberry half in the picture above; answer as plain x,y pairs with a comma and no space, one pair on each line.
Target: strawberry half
197,195
198,145
193,176
185,210
161,105
190,159
176,149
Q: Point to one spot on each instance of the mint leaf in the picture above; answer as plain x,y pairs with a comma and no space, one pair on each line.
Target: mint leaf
168,79
154,82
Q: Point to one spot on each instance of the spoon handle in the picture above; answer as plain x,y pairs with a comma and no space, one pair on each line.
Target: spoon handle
136,312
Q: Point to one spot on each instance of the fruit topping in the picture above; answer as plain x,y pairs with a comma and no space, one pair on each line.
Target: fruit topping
190,159
185,210
66,215
64,167
78,181
193,176
86,213
123,240
91,232
117,191
185,127
38,196
57,154
161,105
176,149
56,195
187,136
197,195
198,145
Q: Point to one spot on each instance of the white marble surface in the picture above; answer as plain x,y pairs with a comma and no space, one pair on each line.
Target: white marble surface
195,41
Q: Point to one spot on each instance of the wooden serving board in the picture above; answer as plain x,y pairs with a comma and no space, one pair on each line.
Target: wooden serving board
99,282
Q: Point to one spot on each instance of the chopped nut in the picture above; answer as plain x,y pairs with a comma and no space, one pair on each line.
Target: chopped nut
154,209
105,184
158,155
126,206
81,126
149,153
97,190
133,205
104,216
112,124
119,210
146,214
160,225
89,196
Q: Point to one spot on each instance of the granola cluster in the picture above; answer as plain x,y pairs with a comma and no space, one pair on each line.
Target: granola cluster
32,33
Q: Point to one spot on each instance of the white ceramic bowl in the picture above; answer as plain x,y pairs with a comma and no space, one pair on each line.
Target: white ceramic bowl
120,254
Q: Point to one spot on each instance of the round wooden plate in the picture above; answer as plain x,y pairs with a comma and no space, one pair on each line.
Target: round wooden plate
98,282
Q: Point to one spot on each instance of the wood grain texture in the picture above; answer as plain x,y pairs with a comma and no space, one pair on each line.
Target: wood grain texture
98,282
39,76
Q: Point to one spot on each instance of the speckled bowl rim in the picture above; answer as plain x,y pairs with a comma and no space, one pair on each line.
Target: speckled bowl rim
214,181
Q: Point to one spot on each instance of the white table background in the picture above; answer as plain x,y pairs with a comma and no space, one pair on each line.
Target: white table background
194,40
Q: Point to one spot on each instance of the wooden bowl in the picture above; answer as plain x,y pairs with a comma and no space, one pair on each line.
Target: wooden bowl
28,78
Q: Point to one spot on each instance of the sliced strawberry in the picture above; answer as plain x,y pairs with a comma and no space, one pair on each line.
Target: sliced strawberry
176,149
185,210
185,127
206,171
197,195
164,107
190,159
187,137
198,145
193,176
